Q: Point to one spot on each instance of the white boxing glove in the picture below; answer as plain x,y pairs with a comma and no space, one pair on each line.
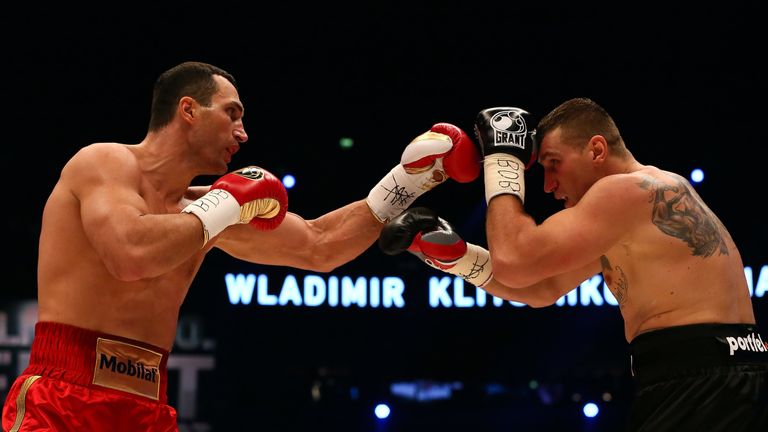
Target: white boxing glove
445,151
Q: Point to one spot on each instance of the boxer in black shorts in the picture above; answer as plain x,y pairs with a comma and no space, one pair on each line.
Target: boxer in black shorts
698,377
675,271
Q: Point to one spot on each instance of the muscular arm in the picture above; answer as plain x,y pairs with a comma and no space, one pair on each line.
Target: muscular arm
525,253
320,244
133,240
546,291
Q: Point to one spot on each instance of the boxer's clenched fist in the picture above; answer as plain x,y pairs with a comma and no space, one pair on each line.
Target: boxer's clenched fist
443,152
420,231
249,195
509,146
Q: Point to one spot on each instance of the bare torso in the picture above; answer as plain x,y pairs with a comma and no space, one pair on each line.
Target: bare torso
678,265
75,287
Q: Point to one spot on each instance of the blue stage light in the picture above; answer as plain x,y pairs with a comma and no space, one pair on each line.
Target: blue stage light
591,410
289,181
382,411
697,175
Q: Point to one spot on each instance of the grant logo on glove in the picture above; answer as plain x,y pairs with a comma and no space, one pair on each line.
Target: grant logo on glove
510,128
509,147
507,130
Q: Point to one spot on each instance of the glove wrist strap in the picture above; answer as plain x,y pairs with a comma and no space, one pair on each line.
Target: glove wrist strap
474,266
397,190
504,174
217,210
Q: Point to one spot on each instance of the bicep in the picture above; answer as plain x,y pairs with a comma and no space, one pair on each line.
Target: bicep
578,236
574,236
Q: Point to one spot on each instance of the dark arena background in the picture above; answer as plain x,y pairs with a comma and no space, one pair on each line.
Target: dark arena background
332,95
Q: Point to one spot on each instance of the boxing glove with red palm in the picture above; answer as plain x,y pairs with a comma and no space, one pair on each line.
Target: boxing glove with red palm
420,231
443,152
250,195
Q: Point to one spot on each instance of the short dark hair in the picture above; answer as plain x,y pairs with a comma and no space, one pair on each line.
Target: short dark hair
580,119
193,79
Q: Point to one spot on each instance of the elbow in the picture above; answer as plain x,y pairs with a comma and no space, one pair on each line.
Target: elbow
128,266
529,298
533,298
322,268
541,303
131,257
124,270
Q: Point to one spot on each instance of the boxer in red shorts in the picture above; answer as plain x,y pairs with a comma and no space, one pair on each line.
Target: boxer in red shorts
124,233
94,381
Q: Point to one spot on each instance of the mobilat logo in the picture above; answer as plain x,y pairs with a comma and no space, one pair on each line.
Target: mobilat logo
392,292
128,368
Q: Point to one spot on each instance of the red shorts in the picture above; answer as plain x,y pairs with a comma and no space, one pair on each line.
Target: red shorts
82,380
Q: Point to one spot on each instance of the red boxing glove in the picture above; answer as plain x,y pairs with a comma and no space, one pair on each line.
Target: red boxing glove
461,161
444,152
262,197
249,195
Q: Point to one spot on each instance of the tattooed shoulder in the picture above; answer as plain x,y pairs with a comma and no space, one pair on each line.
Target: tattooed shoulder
678,211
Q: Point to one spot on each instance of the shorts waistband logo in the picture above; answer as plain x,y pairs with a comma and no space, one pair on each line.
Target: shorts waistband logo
752,342
127,367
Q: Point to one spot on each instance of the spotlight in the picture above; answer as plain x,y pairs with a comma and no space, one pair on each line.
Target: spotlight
382,411
590,410
697,175
289,181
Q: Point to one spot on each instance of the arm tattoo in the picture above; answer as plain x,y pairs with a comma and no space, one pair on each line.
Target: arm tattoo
679,213
616,281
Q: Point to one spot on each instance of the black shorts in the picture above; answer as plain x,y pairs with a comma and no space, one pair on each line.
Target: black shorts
702,377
